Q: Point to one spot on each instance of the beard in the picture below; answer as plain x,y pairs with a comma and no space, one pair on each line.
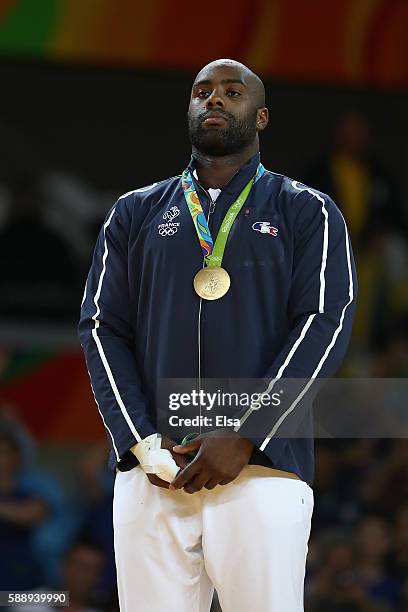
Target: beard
219,142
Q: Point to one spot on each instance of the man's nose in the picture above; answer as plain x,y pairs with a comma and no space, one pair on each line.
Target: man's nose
215,100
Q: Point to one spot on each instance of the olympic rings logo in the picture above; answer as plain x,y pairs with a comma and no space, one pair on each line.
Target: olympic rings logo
167,231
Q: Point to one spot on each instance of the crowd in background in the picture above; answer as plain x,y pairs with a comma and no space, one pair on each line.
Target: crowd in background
358,553
50,539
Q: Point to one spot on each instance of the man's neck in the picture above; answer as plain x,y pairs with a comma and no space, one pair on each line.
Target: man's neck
216,172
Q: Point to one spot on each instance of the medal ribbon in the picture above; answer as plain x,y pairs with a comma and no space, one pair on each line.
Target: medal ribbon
213,253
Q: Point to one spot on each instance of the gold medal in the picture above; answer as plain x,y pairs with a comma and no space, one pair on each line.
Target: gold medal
212,283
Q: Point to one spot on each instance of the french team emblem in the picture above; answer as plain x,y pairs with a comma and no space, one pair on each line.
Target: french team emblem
265,228
171,214
169,228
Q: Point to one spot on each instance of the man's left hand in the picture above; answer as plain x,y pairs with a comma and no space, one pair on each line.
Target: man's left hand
220,458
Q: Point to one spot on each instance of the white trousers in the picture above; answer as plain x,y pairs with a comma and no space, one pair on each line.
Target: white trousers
248,539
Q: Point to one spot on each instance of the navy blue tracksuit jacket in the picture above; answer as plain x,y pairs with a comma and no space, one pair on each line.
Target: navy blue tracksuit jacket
288,313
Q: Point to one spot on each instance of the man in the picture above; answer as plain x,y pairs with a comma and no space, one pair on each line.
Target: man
274,301
22,510
81,571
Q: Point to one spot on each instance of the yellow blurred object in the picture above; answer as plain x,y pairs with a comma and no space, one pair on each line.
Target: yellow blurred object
352,186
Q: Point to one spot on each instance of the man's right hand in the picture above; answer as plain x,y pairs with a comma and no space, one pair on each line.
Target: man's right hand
180,460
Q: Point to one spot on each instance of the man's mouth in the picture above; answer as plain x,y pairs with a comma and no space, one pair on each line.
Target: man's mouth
214,119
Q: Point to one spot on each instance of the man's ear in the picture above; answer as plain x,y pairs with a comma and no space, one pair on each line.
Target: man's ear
262,119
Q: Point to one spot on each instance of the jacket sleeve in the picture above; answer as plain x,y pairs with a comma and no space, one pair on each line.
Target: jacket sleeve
320,310
106,336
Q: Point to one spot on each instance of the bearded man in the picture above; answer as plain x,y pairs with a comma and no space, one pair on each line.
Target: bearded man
228,271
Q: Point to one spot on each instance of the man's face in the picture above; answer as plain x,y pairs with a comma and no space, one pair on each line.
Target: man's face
82,570
222,114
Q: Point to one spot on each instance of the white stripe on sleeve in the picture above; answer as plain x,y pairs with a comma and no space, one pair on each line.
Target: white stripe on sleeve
311,317
98,342
325,354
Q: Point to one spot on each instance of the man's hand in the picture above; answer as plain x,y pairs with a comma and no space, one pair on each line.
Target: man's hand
179,459
219,460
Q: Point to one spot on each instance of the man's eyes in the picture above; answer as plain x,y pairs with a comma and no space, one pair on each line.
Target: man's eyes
232,93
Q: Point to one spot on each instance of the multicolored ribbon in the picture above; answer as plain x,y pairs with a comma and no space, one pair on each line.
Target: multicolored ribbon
213,253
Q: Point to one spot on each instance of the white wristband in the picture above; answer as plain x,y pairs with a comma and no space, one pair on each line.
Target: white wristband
155,460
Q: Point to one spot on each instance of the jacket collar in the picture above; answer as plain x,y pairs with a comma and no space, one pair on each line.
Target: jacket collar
238,181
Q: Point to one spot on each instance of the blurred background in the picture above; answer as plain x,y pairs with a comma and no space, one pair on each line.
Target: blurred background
93,102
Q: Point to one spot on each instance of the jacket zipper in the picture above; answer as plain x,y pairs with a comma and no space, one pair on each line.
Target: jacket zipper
210,211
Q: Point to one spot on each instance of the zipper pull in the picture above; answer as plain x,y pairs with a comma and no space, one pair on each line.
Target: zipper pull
212,206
